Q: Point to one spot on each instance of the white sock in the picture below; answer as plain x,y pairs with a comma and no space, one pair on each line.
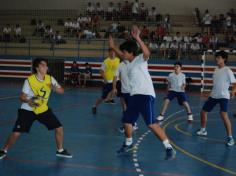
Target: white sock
5,151
230,136
60,150
167,144
128,141
203,129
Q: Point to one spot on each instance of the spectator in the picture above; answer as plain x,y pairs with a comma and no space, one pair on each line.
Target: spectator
197,16
213,42
75,74
135,10
40,28
195,49
167,24
207,18
178,38
160,32
87,75
99,10
48,34
7,33
205,41
228,24
17,32
143,12
174,50
110,11
152,14
153,47
164,48
145,33
90,9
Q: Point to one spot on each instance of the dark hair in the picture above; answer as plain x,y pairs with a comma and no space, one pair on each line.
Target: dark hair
86,63
74,62
130,46
222,54
36,63
178,63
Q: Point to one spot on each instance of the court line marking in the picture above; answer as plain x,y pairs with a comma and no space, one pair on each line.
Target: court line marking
196,157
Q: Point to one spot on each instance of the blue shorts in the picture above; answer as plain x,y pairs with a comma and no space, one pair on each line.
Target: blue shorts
140,104
107,88
211,103
125,96
181,96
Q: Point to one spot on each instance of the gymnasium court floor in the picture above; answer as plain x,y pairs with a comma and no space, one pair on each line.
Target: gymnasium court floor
94,140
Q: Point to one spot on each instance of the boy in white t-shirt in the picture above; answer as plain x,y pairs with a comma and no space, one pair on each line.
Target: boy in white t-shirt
142,94
121,88
223,77
176,89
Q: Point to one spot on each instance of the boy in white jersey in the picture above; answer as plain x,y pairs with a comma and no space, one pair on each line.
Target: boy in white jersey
223,77
176,89
124,93
142,93
38,84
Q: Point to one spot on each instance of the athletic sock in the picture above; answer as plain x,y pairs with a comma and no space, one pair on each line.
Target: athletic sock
166,143
60,150
128,141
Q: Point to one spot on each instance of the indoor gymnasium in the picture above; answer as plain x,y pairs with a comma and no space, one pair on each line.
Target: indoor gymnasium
118,88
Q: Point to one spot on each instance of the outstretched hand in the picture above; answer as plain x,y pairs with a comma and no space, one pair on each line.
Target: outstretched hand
111,42
135,32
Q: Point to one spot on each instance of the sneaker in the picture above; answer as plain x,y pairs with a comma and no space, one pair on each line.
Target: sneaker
125,149
94,110
64,154
230,141
3,154
112,102
121,129
201,132
170,153
190,117
160,118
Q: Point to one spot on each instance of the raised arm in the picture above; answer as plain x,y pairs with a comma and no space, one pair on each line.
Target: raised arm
136,35
114,47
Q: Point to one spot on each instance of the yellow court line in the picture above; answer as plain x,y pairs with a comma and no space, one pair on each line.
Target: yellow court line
196,157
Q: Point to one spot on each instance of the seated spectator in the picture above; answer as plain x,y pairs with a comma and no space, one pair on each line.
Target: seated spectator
206,20
195,49
205,41
135,10
48,34
126,10
99,10
143,12
228,24
145,33
152,14
167,24
213,42
178,38
164,48
153,46
183,48
7,33
168,38
110,11
87,75
96,22
40,28
75,74
160,32
17,32
90,9
174,50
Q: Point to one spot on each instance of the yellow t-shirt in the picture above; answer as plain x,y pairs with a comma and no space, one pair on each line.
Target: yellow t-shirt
110,68
42,90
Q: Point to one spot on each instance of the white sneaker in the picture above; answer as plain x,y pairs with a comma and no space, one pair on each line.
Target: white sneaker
230,141
160,118
190,117
202,132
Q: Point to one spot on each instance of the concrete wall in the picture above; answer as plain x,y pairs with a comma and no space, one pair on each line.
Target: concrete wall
164,6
